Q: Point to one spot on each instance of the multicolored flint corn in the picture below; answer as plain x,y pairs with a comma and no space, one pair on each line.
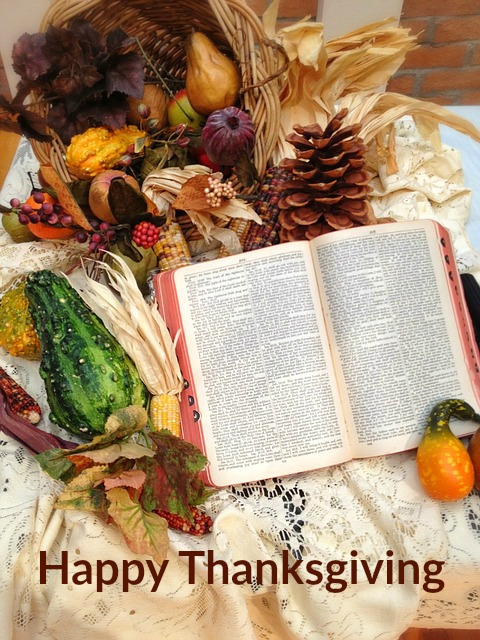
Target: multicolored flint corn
18,400
171,248
241,227
266,206
202,523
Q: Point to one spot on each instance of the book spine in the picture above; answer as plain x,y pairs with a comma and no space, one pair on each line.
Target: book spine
464,321
168,307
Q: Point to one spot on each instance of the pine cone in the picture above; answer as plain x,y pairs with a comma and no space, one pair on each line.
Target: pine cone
328,189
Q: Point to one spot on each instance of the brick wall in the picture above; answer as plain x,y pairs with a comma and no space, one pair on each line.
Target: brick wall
289,10
445,69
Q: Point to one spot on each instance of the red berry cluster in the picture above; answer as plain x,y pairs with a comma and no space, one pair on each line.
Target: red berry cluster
202,523
145,234
41,207
101,238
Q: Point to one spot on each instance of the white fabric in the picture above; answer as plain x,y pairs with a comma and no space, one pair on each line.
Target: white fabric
369,506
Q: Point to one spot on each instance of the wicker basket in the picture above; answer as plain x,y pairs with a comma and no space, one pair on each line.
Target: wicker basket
161,28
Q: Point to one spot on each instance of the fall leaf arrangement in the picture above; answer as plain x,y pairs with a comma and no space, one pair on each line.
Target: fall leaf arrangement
141,484
142,481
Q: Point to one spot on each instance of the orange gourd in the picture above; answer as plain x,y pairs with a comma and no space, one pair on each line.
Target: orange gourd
18,335
101,148
444,466
48,231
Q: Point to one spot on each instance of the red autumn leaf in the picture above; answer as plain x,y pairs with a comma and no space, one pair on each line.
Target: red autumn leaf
132,478
172,481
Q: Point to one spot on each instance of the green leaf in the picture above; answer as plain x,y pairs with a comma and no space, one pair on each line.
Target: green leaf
144,533
113,452
172,482
83,491
246,171
125,201
56,464
104,448
122,424
127,248
154,159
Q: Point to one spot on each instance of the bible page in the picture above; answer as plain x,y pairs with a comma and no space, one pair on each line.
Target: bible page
258,354
395,335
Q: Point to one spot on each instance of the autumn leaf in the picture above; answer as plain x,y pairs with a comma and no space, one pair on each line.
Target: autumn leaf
132,478
144,533
172,481
56,464
125,74
84,492
18,119
121,424
106,455
64,196
192,194
104,448
29,57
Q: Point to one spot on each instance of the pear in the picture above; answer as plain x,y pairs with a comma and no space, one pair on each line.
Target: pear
18,232
212,79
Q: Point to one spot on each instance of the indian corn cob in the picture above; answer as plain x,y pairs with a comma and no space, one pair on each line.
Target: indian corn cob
19,401
201,524
266,205
241,227
171,248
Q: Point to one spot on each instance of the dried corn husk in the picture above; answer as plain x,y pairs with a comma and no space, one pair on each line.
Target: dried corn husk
319,72
163,187
136,324
348,72
378,113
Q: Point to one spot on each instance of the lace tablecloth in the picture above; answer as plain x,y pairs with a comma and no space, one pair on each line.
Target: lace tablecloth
360,520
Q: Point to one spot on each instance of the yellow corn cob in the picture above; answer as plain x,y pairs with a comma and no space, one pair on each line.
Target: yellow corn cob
241,228
165,413
171,248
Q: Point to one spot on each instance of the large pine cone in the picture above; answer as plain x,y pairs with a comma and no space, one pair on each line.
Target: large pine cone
329,187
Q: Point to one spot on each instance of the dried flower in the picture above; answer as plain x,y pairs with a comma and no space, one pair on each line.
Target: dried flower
217,191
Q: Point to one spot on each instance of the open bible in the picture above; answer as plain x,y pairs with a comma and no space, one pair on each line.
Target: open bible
308,354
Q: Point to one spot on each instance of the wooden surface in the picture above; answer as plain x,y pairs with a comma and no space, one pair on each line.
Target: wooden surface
8,146
441,634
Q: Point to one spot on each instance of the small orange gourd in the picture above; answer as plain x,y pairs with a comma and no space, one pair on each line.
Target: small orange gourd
18,335
444,466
